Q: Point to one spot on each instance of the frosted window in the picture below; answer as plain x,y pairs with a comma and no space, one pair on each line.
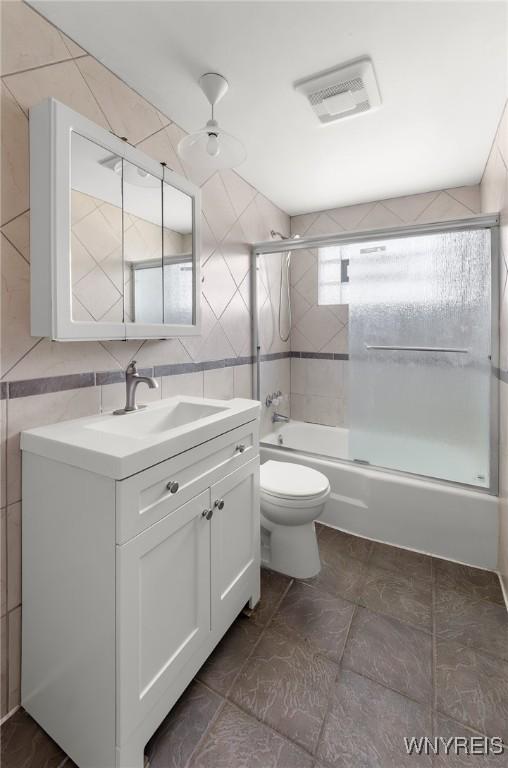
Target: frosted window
178,294
332,275
425,412
147,298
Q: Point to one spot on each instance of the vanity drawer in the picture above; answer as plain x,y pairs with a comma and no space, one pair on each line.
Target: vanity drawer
145,498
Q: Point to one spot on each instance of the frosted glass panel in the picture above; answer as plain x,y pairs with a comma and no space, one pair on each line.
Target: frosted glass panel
423,411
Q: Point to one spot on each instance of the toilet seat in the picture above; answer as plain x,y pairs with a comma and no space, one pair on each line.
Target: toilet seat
292,483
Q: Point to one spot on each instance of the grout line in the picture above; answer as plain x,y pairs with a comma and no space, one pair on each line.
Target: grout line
210,725
256,193
261,635
473,649
493,142
264,724
253,716
42,66
386,686
436,195
337,676
13,245
464,205
22,213
150,136
465,725
94,97
22,358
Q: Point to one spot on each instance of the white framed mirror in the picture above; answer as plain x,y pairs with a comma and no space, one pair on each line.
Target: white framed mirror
115,235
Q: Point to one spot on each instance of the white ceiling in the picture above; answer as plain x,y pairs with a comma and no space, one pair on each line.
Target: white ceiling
441,68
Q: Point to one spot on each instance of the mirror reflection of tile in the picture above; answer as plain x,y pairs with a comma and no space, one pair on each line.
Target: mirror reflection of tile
101,279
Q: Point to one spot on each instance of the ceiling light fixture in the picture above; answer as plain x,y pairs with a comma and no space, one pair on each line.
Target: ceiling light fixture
211,147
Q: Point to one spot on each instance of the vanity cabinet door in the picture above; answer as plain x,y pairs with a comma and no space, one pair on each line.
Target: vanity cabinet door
235,541
163,608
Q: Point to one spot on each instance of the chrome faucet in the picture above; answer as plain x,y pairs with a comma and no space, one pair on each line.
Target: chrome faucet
279,417
132,379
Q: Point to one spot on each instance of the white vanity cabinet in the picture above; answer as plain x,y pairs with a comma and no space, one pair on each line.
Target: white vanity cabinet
179,583
130,582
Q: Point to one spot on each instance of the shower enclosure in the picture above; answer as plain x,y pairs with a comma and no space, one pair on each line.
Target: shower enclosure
423,347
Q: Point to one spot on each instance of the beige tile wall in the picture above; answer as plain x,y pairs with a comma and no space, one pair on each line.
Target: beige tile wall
324,329
37,61
274,374
494,197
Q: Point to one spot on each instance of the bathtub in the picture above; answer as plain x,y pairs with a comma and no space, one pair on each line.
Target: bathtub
430,516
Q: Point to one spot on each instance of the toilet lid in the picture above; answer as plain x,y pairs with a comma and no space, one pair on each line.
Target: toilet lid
280,478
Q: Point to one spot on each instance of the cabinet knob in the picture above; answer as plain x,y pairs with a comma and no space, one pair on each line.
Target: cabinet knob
207,514
240,448
172,486
219,503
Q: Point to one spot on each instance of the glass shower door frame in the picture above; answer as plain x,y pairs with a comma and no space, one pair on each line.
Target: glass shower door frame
481,221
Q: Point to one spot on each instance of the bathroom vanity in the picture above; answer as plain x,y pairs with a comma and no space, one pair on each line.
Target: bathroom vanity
140,547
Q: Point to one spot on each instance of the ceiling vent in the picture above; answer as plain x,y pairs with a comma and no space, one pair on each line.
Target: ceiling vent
348,90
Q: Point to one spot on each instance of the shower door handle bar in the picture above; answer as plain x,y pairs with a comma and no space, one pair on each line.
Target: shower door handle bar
418,349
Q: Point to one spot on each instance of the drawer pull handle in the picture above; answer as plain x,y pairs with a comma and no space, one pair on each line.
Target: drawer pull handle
240,448
172,486
207,514
219,503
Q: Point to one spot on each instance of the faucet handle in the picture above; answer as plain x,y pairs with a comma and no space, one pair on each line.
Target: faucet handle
131,368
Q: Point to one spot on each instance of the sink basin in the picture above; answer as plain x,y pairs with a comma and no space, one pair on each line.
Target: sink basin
119,446
146,422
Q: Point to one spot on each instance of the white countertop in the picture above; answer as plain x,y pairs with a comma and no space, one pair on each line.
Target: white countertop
119,446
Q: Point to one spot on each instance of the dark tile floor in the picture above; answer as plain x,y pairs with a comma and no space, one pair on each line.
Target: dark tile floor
333,672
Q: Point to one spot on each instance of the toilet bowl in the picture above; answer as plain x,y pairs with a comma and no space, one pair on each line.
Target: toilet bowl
292,497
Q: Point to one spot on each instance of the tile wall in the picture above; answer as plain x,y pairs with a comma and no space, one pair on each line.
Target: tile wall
43,381
319,376
275,368
494,197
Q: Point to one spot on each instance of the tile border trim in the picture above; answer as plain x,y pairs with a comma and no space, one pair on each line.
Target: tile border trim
46,385
321,355
10,390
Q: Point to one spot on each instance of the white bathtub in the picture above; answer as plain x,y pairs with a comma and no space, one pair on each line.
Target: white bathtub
428,516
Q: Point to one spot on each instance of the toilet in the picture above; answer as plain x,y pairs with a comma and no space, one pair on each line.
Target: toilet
292,497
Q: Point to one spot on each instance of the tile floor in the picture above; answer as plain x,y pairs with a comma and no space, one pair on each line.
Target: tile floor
334,671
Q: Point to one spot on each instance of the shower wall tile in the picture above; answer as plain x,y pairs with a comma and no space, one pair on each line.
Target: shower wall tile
275,375
242,381
328,411
494,197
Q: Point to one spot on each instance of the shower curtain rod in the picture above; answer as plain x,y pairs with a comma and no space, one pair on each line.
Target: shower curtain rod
480,221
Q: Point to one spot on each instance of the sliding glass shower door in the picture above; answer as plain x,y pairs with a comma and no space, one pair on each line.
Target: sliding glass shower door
420,347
